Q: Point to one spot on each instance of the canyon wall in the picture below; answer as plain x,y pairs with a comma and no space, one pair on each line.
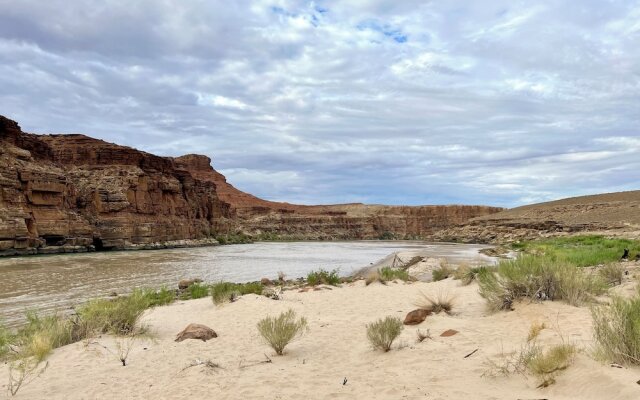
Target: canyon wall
71,193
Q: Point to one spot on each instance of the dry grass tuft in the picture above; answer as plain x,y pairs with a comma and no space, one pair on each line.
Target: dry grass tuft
612,273
441,302
534,331
617,330
441,273
421,336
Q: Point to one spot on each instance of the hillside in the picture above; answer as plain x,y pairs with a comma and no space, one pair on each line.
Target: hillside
609,213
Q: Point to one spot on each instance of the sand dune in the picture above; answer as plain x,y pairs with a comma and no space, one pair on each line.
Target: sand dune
335,348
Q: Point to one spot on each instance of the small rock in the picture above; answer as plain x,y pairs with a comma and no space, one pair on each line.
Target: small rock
196,331
449,332
416,316
185,283
113,294
266,282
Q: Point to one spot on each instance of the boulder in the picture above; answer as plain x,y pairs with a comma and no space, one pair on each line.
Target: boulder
416,316
185,283
196,331
266,282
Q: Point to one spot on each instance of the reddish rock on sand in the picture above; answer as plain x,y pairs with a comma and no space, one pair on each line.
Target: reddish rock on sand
449,332
196,331
266,282
416,316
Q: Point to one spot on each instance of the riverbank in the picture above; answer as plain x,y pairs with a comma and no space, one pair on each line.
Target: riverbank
333,359
90,248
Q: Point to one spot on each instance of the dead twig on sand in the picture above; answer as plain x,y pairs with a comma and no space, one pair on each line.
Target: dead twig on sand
207,363
267,361
472,353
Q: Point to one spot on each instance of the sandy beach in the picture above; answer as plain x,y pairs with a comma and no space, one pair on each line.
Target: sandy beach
334,349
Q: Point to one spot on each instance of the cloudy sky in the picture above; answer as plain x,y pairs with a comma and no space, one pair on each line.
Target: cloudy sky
397,102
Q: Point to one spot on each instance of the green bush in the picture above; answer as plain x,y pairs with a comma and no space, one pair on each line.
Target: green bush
322,276
234,238
161,297
119,316
541,277
383,332
387,274
250,288
617,330
279,331
198,291
441,273
223,292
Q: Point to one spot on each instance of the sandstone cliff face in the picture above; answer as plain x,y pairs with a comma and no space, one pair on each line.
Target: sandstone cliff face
74,193
67,193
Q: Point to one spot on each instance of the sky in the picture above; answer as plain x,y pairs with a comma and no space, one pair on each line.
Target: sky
387,102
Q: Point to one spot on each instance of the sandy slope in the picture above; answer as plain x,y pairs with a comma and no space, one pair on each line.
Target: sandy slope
334,348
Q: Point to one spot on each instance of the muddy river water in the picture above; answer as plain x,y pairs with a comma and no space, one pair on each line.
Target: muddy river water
57,282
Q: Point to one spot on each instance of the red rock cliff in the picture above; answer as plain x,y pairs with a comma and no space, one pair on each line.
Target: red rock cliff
64,193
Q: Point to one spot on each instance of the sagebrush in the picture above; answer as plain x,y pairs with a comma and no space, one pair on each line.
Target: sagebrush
383,332
279,331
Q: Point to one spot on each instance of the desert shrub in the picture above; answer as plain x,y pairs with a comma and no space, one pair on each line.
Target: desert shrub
234,238
322,276
617,330
40,335
533,359
250,288
612,273
467,274
198,291
441,273
154,298
118,316
441,302
539,277
5,341
279,331
386,274
383,332
546,364
534,331
223,292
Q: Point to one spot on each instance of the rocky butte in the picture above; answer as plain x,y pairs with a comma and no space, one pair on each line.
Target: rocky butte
73,193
